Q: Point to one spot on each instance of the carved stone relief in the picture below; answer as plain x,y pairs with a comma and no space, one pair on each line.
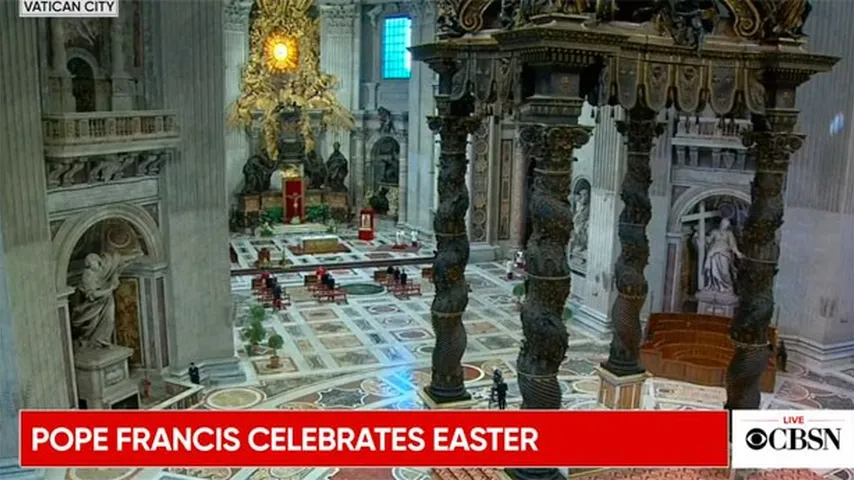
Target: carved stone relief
67,172
480,182
505,189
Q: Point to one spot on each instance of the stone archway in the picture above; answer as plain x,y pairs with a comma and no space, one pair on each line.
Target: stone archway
74,228
66,239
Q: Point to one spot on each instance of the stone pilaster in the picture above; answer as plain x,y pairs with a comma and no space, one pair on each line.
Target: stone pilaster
517,201
774,141
59,79
452,246
11,393
23,210
640,129
236,48
152,321
608,168
340,37
122,83
421,140
195,209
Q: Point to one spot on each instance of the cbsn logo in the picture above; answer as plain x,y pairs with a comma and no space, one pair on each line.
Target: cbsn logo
792,439
795,438
69,8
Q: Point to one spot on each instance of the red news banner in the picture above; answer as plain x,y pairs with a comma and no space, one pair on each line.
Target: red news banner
524,438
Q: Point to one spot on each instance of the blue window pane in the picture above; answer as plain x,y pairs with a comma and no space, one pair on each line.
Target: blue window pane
397,38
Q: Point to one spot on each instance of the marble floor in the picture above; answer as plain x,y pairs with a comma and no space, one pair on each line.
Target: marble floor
285,238
374,353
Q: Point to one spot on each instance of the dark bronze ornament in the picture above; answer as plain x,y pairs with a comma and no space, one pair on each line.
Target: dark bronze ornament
640,129
546,338
452,255
773,143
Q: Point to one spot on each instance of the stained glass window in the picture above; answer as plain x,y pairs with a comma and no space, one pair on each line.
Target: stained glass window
397,38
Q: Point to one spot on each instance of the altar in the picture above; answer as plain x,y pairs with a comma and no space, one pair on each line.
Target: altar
318,244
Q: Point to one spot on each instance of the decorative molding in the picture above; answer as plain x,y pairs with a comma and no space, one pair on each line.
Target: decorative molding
421,9
505,188
73,229
480,141
235,17
67,172
340,19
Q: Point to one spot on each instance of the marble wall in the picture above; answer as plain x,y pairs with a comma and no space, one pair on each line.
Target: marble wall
422,161
817,259
195,216
26,241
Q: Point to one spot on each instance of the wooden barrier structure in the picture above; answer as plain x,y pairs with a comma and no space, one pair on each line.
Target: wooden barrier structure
695,348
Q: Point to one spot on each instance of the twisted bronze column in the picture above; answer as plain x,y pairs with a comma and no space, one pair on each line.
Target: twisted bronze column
546,338
452,256
640,129
773,142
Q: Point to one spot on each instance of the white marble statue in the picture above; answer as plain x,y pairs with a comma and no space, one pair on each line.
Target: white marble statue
719,269
578,242
93,321
413,235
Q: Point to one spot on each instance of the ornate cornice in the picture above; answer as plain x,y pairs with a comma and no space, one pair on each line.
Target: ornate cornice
421,9
235,16
339,17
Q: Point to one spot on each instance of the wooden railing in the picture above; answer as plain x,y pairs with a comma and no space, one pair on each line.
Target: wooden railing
695,348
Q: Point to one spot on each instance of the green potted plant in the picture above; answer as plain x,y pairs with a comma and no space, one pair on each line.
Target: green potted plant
275,342
255,332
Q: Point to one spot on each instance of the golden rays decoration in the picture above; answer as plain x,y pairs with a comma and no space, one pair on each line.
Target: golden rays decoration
281,53
272,85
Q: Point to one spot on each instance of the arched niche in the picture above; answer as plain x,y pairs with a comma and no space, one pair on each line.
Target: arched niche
74,229
122,229
693,216
382,173
86,75
385,163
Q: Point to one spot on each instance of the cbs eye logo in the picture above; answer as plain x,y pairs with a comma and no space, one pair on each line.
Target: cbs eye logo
756,439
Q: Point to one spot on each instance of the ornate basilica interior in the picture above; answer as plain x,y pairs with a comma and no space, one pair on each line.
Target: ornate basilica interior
365,204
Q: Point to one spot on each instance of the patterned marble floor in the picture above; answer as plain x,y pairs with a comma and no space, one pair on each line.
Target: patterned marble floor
373,353
281,243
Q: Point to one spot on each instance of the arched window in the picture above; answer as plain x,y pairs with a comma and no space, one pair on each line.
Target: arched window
397,38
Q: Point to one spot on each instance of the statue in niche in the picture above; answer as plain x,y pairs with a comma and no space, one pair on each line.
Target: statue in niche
387,157
386,120
379,202
256,174
578,242
93,321
719,269
336,168
315,170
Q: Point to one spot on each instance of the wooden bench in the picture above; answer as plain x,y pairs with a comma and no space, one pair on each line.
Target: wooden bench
337,295
309,279
403,291
695,348
380,276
